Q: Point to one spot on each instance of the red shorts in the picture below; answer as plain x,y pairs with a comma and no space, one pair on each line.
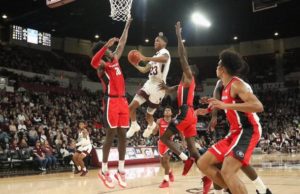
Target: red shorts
116,112
239,144
162,148
185,122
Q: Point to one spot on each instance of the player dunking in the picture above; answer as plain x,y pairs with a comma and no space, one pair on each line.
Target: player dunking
185,122
240,105
158,68
116,112
248,170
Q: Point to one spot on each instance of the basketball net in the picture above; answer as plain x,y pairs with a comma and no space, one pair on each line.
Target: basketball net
120,9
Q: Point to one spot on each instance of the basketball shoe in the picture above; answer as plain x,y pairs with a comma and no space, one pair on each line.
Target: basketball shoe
164,184
105,178
120,176
171,176
267,192
148,131
188,165
133,128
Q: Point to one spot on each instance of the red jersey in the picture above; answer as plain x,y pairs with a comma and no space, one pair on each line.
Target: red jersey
112,79
163,125
238,120
185,95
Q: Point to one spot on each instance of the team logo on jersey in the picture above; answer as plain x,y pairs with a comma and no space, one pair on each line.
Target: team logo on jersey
240,154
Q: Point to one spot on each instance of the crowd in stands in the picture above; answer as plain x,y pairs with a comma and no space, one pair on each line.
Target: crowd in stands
43,125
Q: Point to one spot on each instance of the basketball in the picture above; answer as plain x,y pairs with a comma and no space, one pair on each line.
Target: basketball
134,57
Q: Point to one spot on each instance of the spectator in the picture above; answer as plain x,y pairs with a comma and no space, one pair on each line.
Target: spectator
49,153
40,156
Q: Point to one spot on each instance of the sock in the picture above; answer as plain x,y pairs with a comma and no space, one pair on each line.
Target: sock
170,170
84,169
134,123
183,156
260,186
79,168
104,167
166,177
218,191
121,166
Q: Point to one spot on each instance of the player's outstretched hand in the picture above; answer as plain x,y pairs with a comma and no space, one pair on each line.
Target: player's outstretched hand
111,42
163,86
178,29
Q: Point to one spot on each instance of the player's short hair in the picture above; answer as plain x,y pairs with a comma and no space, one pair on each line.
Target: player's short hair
97,47
168,107
233,62
163,37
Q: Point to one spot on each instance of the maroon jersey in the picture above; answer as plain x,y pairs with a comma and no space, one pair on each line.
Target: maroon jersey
238,120
112,79
185,94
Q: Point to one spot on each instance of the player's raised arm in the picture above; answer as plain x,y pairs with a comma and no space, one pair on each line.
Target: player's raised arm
122,42
182,53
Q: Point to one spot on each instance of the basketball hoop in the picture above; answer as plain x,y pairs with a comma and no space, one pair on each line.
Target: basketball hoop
120,9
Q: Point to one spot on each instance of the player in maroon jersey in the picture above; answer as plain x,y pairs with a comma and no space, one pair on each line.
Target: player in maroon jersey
240,105
186,121
116,111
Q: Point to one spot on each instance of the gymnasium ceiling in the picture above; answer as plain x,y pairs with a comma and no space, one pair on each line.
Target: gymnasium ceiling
85,18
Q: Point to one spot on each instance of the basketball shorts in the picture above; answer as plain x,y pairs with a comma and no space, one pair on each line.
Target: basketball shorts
185,122
151,94
116,112
163,149
239,144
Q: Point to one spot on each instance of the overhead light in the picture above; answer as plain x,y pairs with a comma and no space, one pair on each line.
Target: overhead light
146,40
183,40
53,30
235,38
96,36
4,16
200,20
276,34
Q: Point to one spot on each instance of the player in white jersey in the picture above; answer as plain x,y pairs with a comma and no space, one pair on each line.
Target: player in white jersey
158,68
84,148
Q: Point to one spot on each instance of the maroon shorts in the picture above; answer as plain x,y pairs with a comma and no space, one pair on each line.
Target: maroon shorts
116,112
239,144
185,122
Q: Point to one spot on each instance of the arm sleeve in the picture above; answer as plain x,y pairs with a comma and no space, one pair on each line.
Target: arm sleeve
97,58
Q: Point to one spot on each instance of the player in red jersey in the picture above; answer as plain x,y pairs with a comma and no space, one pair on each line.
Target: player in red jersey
186,121
164,152
248,170
116,111
240,105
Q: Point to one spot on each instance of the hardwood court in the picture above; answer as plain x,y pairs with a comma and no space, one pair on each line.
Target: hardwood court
280,172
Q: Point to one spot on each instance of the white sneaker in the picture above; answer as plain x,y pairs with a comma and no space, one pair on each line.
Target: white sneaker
121,179
133,128
149,130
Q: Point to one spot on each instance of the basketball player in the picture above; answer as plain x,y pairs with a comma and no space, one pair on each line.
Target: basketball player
158,68
84,147
248,170
164,153
240,105
116,112
186,120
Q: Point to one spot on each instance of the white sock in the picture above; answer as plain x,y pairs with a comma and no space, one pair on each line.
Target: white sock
104,167
134,123
166,177
218,191
121,166
260,186
84,169
183,156
79,168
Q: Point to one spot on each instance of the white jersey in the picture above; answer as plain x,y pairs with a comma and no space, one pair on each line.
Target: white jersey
84,144
159,71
